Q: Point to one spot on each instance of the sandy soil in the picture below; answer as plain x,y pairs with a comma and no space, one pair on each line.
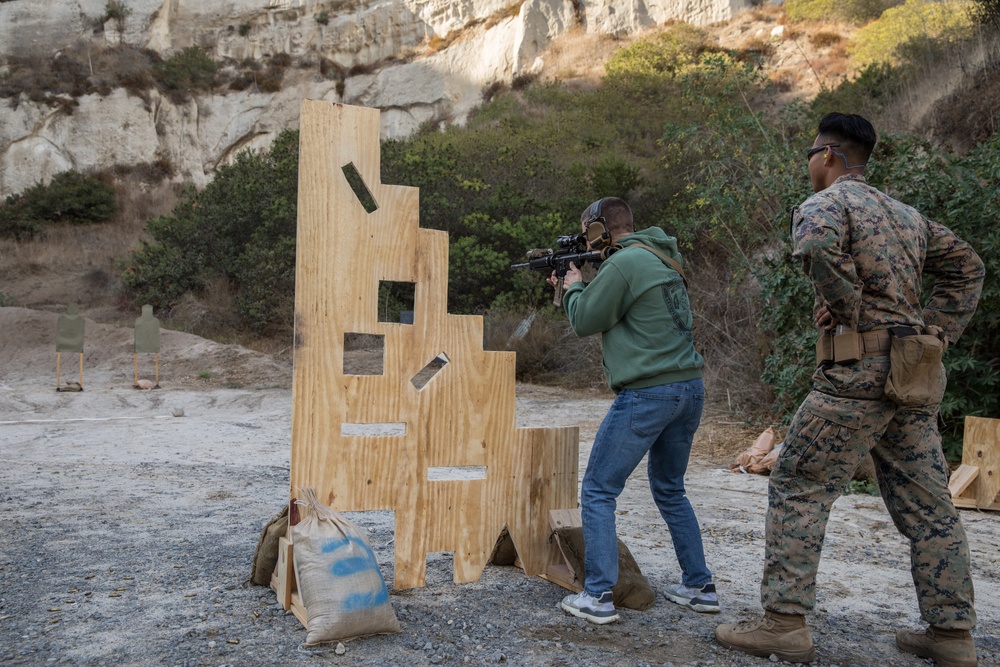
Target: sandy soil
128,532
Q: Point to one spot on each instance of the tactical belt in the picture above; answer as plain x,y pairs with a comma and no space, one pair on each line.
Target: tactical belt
849,347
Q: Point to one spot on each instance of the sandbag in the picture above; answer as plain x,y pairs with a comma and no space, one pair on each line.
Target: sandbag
265,557
751,459
764,466
504,551
632,590
339,579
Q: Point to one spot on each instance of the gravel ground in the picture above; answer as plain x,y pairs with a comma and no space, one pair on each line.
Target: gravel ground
127,537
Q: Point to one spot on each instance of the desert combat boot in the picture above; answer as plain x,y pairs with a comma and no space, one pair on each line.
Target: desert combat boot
783,635
948,648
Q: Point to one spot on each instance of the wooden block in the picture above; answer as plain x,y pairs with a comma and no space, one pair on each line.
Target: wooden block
562,575
981,448
565,519
299,610
558,570
964,503
283,578
960,480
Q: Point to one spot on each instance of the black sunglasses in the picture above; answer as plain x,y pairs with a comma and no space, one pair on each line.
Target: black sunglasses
816,149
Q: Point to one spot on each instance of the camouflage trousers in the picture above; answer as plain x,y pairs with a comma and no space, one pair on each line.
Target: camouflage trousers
844,418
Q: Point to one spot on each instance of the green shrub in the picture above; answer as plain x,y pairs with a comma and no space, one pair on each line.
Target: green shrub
15,221
854,11
117,11
69,197
873,91
663,54
160,274
986,13
787,325
72,197
866,487
241,228
916,28
185,72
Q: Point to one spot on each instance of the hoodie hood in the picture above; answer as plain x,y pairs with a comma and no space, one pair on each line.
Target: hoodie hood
654,237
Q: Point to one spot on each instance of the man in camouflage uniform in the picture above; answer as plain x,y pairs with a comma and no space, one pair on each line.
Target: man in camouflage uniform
865,254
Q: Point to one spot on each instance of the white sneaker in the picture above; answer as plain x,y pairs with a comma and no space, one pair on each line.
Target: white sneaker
596,610
704,599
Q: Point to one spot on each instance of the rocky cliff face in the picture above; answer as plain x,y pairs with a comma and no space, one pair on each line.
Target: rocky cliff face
416,60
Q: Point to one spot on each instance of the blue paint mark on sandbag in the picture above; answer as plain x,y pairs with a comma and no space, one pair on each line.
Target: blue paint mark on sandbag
348,566
351,564
332,545
361,601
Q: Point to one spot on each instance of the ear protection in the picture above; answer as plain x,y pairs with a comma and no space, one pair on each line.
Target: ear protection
595,227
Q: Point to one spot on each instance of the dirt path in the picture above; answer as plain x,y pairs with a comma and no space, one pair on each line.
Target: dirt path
128,533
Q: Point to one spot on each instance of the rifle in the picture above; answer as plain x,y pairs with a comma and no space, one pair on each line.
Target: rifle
572,249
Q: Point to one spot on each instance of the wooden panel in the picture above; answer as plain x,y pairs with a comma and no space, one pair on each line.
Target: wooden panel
465,416
981,448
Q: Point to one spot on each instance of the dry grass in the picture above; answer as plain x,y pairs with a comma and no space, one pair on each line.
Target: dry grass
726,315
957,96
784,80
762,46
209,314
823,39
548,352
578,58
78,263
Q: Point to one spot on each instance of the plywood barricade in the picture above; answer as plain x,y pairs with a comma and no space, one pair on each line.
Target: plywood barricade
353,234
976,482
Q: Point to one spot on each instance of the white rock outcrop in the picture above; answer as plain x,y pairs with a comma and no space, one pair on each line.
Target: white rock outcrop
385,43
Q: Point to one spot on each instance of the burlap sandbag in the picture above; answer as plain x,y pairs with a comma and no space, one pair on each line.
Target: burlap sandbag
504,552
339,579
632,590
752,459
265,558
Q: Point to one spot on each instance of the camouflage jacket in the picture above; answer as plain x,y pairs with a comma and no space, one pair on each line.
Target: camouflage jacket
866,253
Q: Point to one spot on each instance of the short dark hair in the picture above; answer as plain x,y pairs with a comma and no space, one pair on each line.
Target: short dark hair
855,135
616,213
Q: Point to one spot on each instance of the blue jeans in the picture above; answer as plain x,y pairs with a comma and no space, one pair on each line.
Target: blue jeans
660,420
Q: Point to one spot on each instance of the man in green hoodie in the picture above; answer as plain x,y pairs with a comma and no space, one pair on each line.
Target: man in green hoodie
639,304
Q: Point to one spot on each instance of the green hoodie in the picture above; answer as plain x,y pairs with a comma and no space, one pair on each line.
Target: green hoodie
640,306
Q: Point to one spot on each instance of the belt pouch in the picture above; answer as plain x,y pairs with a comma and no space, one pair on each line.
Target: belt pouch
846,348
916,374
824,348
